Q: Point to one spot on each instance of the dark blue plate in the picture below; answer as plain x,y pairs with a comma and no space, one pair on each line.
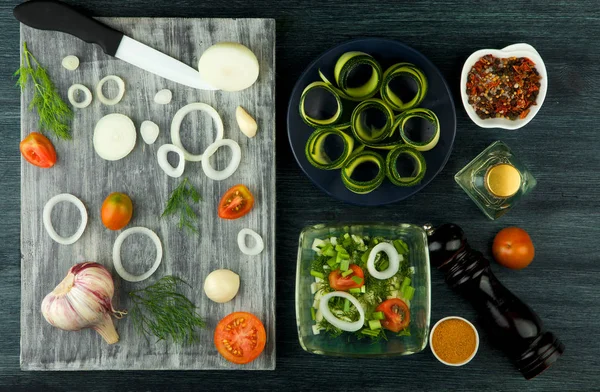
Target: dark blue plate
438,99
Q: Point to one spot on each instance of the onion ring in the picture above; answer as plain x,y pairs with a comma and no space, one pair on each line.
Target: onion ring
256,249
393,257
120,85
71,95
117,254
219,175
46,218
164,164
336,322
176,125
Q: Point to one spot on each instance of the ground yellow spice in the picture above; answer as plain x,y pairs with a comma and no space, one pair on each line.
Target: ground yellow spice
453,341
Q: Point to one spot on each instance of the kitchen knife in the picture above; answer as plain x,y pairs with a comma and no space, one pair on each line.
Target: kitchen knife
58,16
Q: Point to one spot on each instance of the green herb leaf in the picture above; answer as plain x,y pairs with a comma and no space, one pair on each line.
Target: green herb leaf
179,202
54,114
160,310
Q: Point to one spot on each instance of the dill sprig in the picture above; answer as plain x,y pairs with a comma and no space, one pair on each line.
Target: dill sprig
179,202
53,112
160,310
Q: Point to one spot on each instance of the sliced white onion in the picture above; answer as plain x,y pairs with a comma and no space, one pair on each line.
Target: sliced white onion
114,137
163,97
120,85
229,66
149,131
236,158
164,164
180,115
336,322
47,220
86,91
258,246
70,62
393,257
117,254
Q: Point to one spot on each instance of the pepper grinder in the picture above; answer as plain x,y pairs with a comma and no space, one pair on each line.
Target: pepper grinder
513,325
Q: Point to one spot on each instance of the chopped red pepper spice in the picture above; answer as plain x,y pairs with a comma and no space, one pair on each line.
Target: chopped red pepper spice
503,87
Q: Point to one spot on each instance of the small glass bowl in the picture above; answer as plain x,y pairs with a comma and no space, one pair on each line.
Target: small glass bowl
420,305
476,341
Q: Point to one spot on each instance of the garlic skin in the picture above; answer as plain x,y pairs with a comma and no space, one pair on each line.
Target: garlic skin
84,300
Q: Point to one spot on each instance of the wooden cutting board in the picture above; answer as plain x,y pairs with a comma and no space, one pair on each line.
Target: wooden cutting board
81,172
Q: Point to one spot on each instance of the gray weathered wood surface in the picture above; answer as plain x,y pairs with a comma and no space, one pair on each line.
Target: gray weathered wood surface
82,172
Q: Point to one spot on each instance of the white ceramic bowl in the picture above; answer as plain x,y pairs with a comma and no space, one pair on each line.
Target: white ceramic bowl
476,340
516,50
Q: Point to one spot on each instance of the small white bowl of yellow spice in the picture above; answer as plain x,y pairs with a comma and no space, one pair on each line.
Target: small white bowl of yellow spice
454,341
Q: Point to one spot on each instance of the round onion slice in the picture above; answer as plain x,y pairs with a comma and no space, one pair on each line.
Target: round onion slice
163,97
164,164
47,220
336,322
180,115
117,254
256,249
120,85
236,157
86,91
149,131
114,136
393,257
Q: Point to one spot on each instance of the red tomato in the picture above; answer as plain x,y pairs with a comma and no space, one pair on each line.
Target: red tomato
240,337
116,211
397,314
38,150
236,202
513,248
342,283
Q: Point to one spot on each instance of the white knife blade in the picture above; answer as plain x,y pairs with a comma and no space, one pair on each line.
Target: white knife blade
151,60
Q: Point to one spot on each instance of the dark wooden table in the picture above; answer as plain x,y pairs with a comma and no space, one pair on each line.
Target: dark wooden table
560,146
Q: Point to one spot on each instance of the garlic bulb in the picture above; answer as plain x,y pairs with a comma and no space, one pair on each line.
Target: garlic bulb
221,285
84,300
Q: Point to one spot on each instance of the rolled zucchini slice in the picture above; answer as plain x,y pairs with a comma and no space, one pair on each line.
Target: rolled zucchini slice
346,68
415,161
320,105
427,143
403,71
316,152
359,158
372,122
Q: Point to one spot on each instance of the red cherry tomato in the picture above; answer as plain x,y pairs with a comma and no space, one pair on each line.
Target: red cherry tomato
513,248
240,337
38,150
236,202
116,211
343,283
397,314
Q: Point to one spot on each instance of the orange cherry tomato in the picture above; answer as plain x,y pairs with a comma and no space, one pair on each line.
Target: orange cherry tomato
38,150
236,202
240,337
397,314
513,248
343,283
116,211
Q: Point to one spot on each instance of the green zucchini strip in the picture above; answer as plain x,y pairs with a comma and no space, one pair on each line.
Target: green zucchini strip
370,135
320,122
403,70
421,113
392,169
344,67
315,148
356,159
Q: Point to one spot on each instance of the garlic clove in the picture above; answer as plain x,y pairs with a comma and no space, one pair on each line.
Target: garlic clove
247,124
222,285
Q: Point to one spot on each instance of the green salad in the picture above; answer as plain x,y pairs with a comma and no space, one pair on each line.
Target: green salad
362,286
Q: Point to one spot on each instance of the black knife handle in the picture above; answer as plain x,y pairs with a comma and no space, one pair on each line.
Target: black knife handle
58,16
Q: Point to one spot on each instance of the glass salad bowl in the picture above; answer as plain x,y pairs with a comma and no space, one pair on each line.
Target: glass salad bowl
348,344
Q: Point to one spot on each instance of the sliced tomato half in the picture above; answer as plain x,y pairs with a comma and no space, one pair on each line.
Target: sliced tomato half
38,150
343,283
397,314
240,337
236,202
